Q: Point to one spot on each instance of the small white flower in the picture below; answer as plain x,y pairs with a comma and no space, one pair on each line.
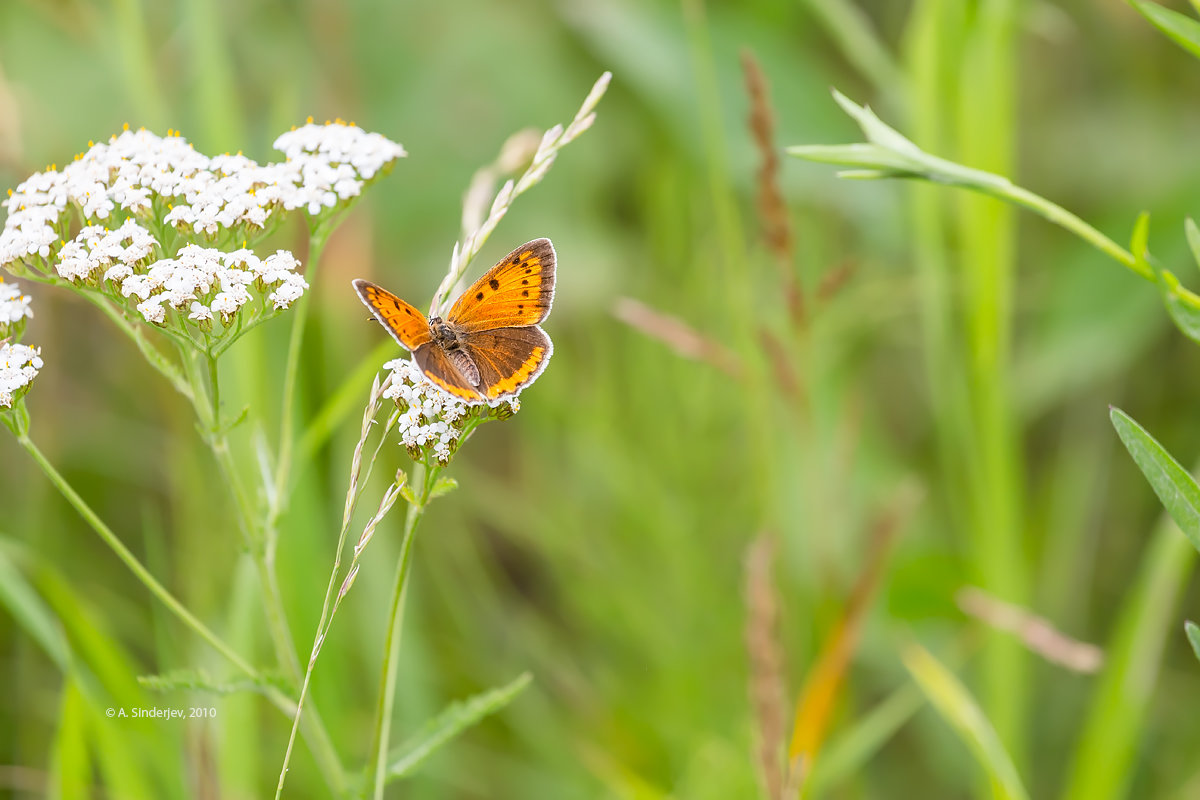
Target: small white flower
19,365
118,273
136,285
289,291
200,312
14,305
225,304
153,310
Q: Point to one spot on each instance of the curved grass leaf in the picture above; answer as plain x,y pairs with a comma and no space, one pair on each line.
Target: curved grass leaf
1182,29
31,613
1193,634
1174,486
405,759
1106,755
956,705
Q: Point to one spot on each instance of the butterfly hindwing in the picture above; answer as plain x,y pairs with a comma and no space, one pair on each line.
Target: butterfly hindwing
518,291
406,324
508,359
436,364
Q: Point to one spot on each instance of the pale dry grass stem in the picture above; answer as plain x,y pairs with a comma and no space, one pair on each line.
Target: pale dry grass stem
676,334
1035,632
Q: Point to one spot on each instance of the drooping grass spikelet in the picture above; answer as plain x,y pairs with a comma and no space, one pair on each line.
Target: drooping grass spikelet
1037,633
685,340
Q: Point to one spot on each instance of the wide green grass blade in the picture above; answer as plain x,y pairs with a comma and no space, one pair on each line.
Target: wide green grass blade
70,767
1183,30
1174,486
31,613
1103,761
956,705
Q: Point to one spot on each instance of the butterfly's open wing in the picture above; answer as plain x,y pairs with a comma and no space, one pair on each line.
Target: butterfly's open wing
516,292
508,359
404,322
437,366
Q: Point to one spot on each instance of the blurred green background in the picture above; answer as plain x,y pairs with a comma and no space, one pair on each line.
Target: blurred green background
597,540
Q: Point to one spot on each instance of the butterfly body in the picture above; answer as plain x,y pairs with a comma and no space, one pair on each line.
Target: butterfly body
489,346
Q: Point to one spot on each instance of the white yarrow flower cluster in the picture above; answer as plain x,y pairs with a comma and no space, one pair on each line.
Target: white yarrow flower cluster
99,254
19,365
138,173
327,164
14,305
432,422
209,283
203,280
427,423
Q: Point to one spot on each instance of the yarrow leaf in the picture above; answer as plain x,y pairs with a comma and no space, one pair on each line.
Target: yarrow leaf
458,716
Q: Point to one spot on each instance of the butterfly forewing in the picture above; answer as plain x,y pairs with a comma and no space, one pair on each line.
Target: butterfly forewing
516,292
508,359
403,321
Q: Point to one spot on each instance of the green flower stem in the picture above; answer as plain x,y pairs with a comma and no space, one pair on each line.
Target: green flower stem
424,476
153,355
277,698
1065,219
205,387
278,493
330,605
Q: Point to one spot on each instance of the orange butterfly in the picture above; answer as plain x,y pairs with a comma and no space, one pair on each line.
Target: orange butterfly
489,346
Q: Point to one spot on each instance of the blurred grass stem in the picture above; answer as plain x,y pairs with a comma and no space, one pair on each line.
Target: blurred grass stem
330,606
204,377
277,698
424,476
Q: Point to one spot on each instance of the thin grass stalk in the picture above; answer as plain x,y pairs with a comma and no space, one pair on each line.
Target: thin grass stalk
215,96
133,49
425,477
139,570
330,606
277,492
553,140
205,387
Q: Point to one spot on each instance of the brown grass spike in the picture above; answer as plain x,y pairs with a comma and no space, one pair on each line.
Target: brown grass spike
765,653
774,213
